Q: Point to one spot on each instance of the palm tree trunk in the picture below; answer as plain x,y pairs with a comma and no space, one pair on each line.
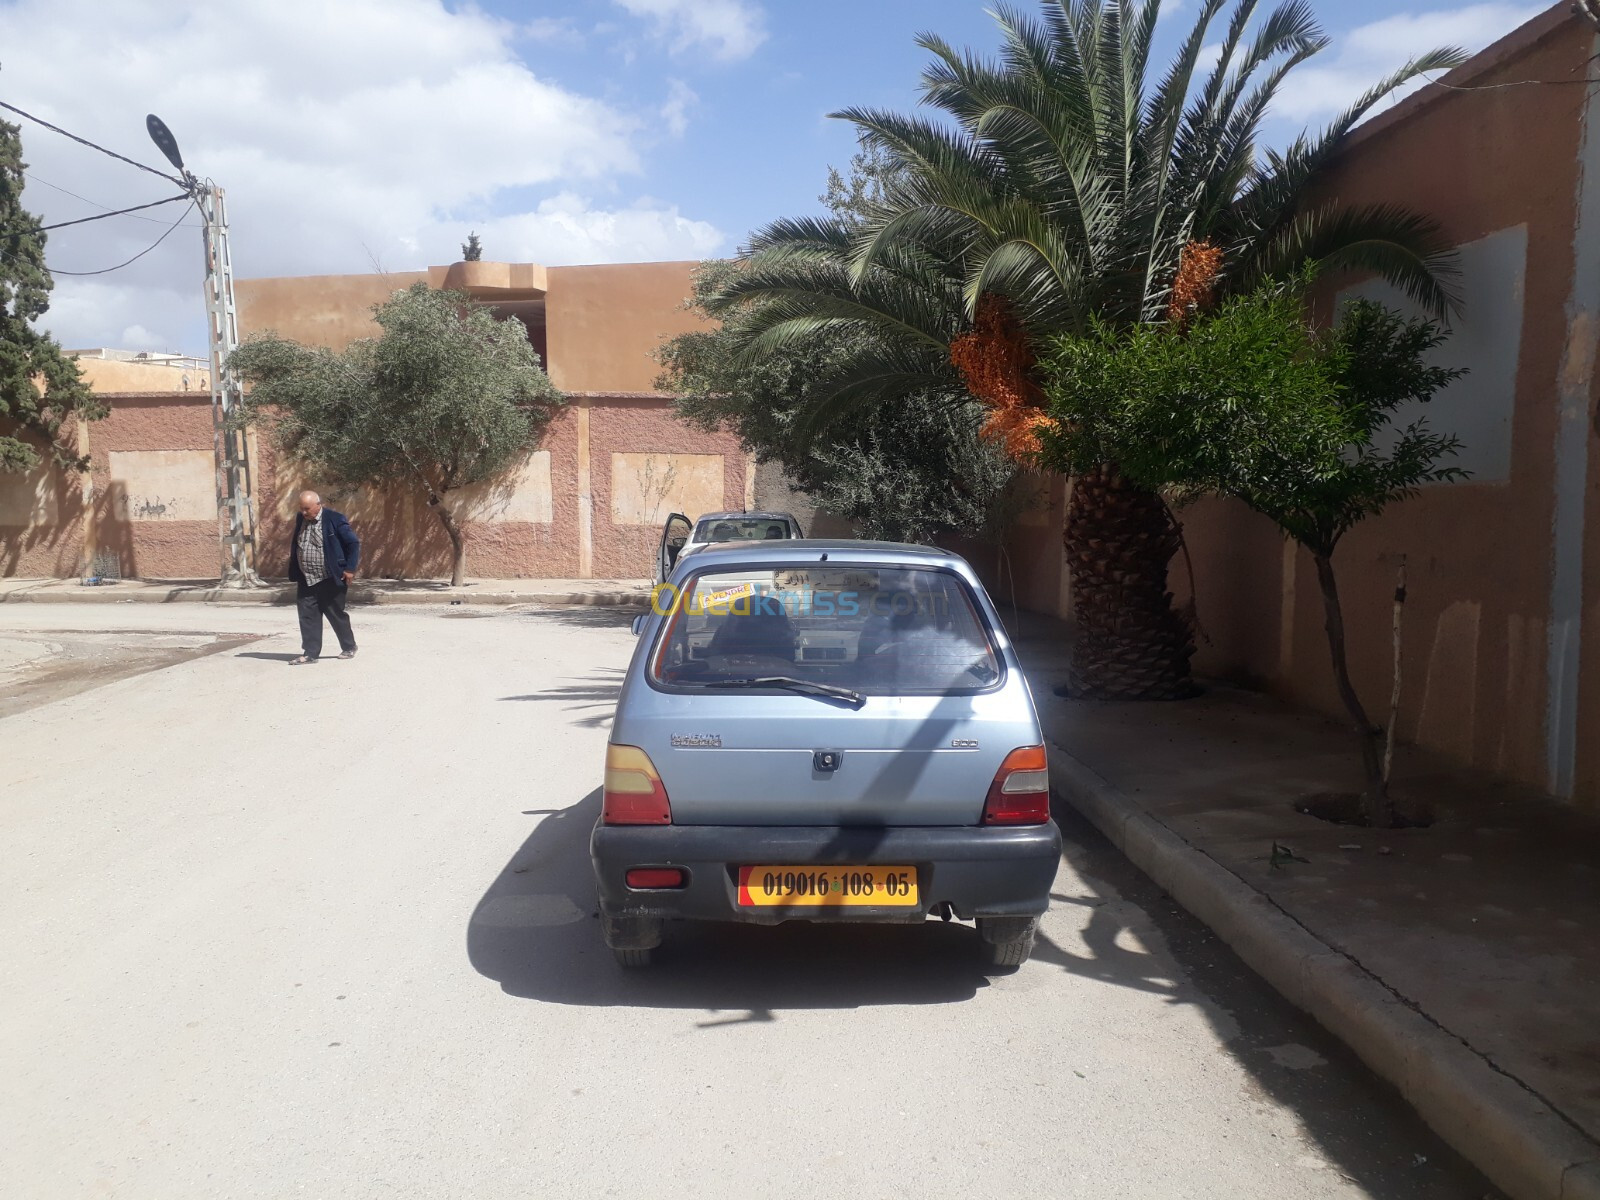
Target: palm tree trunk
1132,644
1379,807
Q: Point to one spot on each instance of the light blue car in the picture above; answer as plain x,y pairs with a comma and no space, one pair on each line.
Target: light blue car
824,731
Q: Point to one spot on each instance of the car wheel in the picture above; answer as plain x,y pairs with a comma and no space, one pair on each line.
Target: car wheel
634,959
1006,942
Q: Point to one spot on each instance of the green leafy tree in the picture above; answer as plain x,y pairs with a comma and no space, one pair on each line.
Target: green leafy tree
472,248
446,396
854,194
1060,182
1251,402
40,388
908,470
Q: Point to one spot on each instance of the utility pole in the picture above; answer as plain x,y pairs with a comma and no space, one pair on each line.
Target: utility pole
235,516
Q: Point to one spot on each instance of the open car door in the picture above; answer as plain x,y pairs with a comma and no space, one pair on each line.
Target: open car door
674,535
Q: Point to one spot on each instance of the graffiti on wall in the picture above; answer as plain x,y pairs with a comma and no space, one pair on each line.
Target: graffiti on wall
147,508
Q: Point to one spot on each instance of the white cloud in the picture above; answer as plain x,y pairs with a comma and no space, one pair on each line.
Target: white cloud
726,29
86,313
1338,76
675,112
343,132
553,30
137,337
566,230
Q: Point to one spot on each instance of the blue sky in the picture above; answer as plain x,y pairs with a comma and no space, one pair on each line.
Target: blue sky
358,135
757,141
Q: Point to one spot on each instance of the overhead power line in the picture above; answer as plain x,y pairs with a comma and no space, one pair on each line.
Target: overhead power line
105,207
136,257
92,145
117,212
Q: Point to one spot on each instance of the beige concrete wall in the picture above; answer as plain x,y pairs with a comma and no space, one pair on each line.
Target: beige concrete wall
163,485
647,487
318,310
604,323
116,375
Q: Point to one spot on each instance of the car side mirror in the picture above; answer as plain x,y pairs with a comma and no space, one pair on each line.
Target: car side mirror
638,624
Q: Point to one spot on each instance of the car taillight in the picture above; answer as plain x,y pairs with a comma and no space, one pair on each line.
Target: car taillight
634,795
1020,793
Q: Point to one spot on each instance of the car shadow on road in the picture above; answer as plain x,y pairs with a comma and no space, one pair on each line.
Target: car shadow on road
536,933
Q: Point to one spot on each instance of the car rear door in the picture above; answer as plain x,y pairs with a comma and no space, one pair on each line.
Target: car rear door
764,759
893,755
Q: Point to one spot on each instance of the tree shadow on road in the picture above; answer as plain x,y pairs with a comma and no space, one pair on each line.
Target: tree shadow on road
580,616
595,698
536,933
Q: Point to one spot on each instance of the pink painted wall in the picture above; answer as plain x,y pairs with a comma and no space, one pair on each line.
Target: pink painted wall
53,550
629,426
151,549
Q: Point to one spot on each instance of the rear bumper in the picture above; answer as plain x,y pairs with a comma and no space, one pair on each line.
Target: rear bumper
979,871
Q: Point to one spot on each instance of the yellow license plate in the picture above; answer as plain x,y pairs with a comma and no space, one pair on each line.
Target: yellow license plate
827,887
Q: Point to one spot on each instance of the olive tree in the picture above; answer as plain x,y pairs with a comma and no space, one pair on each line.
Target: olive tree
444,397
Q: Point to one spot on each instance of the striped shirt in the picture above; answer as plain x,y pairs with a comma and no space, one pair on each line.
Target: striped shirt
313,562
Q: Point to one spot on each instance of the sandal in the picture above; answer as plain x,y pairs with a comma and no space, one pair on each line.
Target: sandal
304,658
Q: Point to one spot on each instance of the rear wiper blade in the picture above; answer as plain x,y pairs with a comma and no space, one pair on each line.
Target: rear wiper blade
790,683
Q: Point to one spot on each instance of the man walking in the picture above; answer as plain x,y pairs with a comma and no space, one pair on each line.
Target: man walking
323,557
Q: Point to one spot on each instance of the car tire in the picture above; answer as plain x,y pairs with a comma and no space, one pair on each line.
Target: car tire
634,959
1006,942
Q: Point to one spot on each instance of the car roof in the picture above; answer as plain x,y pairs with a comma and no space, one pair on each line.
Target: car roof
847,550
745,516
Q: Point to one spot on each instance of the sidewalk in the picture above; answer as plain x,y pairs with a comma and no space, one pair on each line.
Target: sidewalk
626,592
1460,961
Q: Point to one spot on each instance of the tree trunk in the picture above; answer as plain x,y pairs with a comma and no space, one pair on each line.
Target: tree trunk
1132,644
1379,808
458,543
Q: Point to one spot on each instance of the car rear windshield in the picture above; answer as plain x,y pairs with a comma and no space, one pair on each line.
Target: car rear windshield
742,529
874,630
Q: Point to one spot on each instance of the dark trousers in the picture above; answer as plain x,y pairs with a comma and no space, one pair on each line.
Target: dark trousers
325,599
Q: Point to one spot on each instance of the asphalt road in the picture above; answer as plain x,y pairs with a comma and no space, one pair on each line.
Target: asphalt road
328,931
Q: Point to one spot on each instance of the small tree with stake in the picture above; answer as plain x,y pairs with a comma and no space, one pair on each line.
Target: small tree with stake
1251,402
447,396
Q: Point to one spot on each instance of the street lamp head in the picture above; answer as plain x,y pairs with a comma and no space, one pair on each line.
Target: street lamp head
165,142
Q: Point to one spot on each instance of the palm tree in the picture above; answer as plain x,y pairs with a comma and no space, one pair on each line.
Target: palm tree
1062,184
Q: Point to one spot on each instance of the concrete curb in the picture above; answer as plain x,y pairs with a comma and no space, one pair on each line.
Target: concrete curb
279,595
1506,1130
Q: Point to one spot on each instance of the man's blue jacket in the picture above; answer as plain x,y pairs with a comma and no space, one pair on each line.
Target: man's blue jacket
341,548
